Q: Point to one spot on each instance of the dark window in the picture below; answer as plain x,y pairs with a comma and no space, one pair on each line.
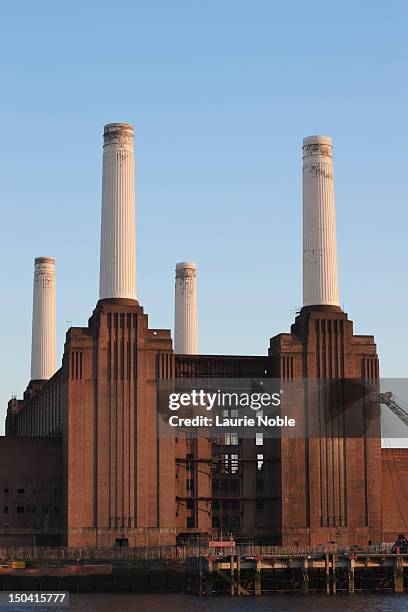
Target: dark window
236,521
46,510
190,484
215,522
20,490
56,509
6,490
190,504
5,509
121,542
20,509
259,485
190,522
234,485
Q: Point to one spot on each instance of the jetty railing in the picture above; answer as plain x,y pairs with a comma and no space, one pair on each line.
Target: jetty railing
64,554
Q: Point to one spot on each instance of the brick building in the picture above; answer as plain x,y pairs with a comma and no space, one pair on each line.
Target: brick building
88,435
134,485
30,491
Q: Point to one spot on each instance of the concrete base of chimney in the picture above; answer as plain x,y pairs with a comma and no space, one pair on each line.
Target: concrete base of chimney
120,301
322,307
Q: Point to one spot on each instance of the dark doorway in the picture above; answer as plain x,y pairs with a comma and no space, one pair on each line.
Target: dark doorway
121,542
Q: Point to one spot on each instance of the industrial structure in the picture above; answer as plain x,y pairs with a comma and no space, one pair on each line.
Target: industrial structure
44,326
185,310
117,482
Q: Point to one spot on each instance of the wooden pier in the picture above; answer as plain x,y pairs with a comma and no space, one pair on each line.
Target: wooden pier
318,573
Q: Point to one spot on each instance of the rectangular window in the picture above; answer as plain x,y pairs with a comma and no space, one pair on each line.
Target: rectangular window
259,439
20,490
5,509
236,521
225,459
234,439
190,484
20,509
190,504
259,461
231,439
121,542
234,464
234,485
190,522
234,414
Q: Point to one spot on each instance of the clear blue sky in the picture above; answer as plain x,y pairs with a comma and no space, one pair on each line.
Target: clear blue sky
221,93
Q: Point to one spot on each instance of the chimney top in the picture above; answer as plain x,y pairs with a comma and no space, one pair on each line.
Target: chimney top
118,133
317,139
42,260
182,265
117,127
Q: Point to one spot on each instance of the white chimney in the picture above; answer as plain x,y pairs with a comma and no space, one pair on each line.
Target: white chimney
43,345
320,274
185,313
118,231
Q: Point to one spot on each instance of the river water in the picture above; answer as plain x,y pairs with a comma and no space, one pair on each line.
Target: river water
279,603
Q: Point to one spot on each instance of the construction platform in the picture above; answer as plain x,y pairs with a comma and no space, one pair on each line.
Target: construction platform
316,573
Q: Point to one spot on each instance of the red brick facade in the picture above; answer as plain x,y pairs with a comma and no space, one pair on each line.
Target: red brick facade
30,491
114,456
120,480
395,492
331,482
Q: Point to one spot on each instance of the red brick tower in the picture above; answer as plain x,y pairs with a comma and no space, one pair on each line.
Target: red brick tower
120,482
330,475
330,481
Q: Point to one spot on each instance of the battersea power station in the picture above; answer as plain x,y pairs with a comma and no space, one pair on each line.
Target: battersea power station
83,462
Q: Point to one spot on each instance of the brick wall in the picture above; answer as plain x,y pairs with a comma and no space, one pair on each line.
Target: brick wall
30,490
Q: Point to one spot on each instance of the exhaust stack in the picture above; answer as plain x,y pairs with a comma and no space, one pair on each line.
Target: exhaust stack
320,273
185,319
43,345
118,231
